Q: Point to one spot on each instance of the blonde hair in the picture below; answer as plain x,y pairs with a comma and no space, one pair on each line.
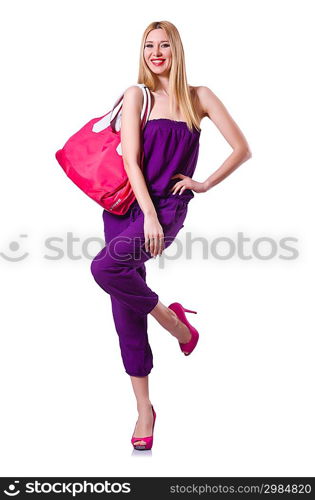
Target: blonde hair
179,91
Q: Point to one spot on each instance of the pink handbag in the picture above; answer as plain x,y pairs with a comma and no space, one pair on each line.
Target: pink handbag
92,158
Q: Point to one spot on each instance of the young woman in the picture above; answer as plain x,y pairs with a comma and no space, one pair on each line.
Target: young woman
163,189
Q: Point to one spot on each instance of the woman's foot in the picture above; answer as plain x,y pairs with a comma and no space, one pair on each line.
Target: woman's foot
171,322
144,423
180,330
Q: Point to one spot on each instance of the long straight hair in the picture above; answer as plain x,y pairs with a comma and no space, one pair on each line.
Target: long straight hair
179,92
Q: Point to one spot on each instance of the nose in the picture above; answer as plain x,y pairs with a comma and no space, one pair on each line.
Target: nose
157,52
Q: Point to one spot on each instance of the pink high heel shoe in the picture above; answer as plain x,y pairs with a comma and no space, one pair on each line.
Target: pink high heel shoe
180,312
148,440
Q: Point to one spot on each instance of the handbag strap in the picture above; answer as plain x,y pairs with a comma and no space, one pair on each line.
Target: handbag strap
115,115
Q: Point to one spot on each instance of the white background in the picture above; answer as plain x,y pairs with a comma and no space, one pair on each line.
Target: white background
243,403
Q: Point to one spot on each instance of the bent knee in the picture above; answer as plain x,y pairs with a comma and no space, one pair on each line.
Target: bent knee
94,267
103,273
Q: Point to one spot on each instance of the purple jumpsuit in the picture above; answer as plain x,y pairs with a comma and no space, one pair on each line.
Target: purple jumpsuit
119,268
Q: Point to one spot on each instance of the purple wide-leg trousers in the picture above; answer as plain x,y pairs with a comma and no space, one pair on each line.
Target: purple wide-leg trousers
119,269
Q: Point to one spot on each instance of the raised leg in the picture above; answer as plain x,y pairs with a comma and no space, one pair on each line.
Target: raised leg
169,320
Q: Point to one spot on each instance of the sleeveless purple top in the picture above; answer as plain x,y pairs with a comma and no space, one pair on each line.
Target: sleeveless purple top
169,148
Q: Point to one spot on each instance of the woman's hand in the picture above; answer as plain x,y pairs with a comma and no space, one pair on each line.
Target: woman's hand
187,183
153,235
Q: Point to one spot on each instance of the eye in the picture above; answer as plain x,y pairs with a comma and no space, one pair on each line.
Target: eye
163,45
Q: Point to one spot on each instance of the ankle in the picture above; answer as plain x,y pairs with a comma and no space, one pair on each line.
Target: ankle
143,406
179,329
173,322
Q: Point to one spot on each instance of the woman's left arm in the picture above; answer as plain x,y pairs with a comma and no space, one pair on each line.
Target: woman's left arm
211,106
216,111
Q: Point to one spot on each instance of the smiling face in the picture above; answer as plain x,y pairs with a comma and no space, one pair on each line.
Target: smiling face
157,52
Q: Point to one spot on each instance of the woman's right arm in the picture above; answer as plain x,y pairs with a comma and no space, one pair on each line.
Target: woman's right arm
130,134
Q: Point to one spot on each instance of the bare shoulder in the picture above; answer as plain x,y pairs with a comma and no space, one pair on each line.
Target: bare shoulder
208,101
132,107
201,96
134,95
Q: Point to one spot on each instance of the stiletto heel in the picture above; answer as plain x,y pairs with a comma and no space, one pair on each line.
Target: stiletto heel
179,310
189,311
148,440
